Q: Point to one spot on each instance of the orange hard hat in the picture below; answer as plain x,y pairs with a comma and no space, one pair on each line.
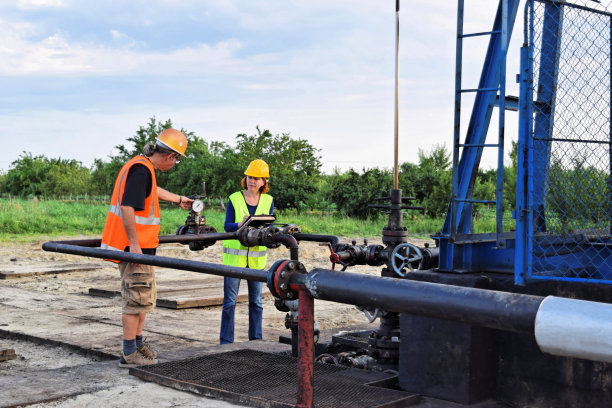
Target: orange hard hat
174,140
258,168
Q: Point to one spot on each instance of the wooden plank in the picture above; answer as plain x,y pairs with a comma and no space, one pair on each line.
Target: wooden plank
18,271
163,287
7,354
195,299
184,294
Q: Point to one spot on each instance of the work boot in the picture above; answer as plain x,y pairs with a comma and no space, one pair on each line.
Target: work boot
147,351
135,359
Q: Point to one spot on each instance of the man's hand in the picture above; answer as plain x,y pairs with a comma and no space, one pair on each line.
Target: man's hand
182,201
185,203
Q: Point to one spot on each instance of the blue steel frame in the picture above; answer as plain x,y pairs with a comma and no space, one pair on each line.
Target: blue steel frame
524,217
460,250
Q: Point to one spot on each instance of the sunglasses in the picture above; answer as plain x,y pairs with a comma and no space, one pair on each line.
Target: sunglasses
177,158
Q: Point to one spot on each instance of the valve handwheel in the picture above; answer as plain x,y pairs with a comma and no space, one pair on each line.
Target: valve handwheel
406,256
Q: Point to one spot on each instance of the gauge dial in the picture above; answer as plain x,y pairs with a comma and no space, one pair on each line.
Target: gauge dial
197,205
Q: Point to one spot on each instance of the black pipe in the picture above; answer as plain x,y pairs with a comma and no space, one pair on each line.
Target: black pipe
260,275
494,309
289,241
488,308
79,242
213,236
163,239
332,239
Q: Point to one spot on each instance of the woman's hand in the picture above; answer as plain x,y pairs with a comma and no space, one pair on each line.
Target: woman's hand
246,217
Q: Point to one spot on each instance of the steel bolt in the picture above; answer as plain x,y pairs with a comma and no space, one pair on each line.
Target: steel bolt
291,265
283,286
289,295
282,274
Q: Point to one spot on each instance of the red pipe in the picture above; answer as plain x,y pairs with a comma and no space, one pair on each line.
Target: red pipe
305,349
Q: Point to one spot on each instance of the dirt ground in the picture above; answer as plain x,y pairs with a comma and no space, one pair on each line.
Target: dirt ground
55,326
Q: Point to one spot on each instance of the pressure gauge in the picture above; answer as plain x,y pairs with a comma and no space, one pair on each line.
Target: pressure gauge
197,205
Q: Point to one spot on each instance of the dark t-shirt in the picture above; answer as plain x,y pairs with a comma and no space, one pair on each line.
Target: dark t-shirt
137,188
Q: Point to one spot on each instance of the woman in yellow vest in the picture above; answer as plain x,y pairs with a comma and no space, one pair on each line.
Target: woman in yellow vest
253,200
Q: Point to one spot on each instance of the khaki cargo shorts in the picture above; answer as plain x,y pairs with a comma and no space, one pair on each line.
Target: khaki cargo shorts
138,288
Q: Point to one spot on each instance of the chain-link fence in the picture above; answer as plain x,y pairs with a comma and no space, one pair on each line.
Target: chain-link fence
570,152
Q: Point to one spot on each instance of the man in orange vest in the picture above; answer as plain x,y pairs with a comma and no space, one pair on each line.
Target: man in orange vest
133,225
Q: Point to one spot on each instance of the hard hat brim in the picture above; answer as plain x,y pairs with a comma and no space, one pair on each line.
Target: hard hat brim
165,146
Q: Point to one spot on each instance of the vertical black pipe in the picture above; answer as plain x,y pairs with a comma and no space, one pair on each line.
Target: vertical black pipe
289,241
396,150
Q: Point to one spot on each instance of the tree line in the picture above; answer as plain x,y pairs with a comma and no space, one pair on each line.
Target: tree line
296,181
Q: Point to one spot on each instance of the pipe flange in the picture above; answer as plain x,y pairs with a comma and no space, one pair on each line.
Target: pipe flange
280,275
374,258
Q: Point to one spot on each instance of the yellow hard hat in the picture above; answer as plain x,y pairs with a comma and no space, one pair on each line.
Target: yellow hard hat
174,140
258,168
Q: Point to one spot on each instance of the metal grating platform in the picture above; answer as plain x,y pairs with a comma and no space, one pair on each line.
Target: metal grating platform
259,379
357,339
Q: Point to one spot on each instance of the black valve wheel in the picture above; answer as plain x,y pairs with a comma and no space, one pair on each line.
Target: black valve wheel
406,256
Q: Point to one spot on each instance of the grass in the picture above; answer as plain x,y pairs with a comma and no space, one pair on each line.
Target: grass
31,220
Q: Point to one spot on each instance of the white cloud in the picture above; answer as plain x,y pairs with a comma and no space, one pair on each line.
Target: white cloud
38,4
117,35
55,55
321,70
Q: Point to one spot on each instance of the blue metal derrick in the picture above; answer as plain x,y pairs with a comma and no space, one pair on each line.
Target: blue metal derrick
535,251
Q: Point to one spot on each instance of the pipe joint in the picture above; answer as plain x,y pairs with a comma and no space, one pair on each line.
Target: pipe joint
250,237
289,229
349,255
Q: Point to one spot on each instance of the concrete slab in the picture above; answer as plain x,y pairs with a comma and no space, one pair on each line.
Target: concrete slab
88,323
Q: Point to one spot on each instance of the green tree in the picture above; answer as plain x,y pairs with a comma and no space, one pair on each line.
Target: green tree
103,175
438,158
352,192
40,176
294,165
510,179
322,198
224,176
577,197
65,177
27,175
430,182
3,188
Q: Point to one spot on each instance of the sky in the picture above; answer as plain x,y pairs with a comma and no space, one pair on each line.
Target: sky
78,77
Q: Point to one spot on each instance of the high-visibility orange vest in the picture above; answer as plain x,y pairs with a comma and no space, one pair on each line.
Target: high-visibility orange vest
147,220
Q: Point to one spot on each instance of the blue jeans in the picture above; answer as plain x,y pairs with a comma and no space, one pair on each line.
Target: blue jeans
230,294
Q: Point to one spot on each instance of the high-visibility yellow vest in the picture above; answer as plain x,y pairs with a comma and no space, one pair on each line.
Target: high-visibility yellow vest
147,220
234,253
